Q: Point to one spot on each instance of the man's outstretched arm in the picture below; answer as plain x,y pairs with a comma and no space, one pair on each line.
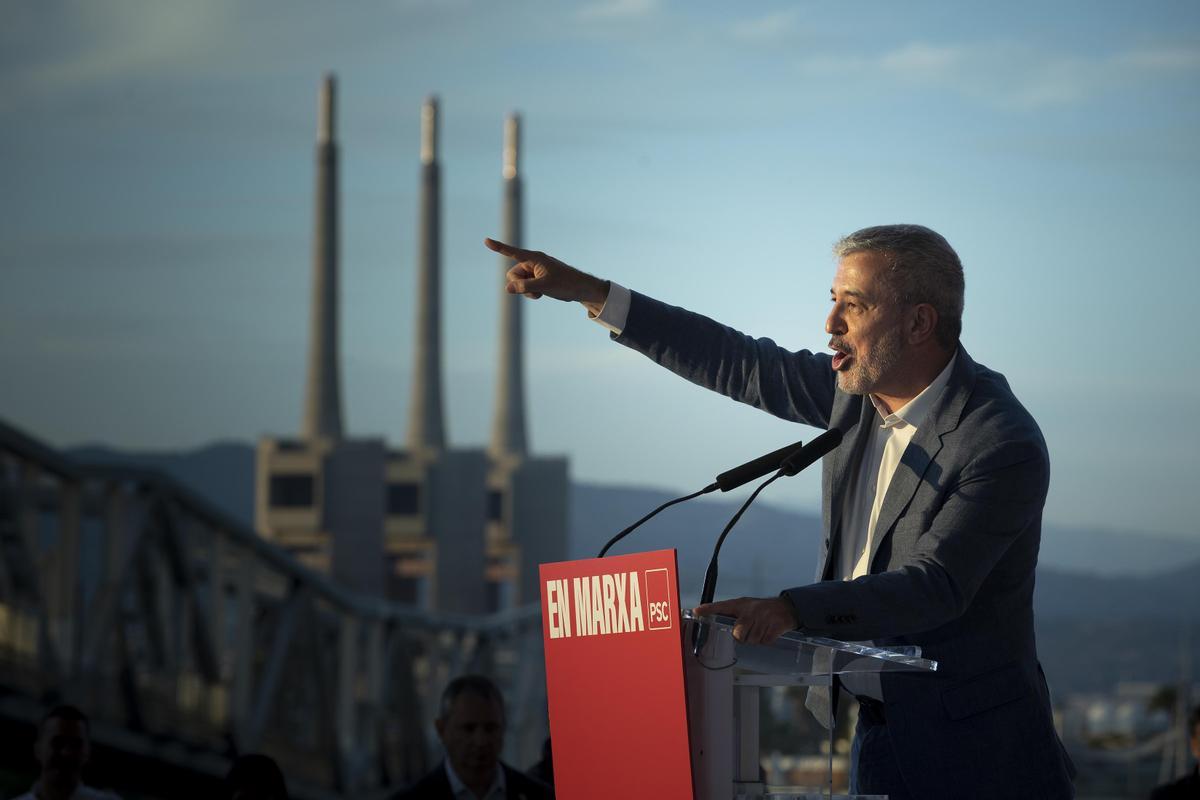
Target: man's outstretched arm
798,387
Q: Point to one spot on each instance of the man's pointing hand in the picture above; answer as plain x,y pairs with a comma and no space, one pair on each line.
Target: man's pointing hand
536,274
760,620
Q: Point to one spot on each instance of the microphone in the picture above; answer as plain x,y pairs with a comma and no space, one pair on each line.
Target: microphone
794,463
815,450
733,478
730,479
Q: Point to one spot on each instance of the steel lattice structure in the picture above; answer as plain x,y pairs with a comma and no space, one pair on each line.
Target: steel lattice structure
189,639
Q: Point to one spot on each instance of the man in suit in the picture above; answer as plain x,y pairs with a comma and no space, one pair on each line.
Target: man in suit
62,749
932,507
471,727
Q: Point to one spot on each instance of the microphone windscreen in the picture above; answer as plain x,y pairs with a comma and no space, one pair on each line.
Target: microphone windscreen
813,451
732,479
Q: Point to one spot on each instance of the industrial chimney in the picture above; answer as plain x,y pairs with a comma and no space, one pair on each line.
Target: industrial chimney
322,403
425,429
508,426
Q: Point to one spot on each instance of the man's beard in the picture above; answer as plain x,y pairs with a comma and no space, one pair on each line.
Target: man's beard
865,373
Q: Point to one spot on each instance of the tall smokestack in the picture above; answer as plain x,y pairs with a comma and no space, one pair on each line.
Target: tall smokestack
425,429
508,426
322,403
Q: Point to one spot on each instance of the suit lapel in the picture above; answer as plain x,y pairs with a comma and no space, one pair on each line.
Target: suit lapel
924,448
840,477
917,457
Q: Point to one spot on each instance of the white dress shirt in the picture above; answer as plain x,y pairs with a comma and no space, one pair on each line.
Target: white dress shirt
461,791
615,311
885,447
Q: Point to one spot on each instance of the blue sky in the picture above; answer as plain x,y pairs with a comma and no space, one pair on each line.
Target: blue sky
157,170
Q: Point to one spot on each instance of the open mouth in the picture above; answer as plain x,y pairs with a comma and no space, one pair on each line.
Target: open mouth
840,358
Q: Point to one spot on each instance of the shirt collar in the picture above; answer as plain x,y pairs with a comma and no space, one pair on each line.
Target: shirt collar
914,411
457,786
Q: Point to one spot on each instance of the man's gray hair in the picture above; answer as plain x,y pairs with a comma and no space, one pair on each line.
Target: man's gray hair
479,685
922,268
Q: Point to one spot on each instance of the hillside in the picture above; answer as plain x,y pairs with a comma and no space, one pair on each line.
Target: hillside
1096,625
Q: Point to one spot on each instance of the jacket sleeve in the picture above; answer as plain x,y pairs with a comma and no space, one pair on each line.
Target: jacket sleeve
994,503
795,386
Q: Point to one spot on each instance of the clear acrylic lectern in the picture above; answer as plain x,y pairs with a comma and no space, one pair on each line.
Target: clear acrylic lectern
723,683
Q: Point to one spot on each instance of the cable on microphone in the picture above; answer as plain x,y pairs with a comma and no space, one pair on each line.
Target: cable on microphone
793,464
730,479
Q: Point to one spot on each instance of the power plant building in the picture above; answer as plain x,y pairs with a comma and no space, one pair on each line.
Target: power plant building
451,529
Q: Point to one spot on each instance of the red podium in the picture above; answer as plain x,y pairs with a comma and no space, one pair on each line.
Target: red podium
614,678
633,714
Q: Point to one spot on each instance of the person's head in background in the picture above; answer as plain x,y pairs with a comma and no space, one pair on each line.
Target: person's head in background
62,749
471,727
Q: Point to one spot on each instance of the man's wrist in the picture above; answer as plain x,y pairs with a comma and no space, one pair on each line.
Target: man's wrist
787,600
596,296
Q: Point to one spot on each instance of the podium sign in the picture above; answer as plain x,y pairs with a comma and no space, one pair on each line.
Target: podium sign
614,677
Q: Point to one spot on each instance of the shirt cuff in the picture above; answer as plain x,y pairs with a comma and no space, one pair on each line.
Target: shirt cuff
615,312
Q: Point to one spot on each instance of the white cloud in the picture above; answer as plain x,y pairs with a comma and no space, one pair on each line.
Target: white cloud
923,60
768,28
1168,58
618,9
67,48
1012,76
93,43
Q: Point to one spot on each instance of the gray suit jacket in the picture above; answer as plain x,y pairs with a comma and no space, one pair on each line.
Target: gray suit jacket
955,550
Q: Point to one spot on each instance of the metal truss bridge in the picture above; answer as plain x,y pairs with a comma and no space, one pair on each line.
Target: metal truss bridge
188,639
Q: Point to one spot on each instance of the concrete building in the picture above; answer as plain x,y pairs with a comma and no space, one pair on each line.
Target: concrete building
444,528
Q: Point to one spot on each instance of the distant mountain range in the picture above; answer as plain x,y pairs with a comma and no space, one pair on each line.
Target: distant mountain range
224,473
1110,606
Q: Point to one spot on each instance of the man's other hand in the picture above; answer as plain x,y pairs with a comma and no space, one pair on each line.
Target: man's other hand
536,274
760,620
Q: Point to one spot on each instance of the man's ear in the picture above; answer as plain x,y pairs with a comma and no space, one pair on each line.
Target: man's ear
923,321
440,725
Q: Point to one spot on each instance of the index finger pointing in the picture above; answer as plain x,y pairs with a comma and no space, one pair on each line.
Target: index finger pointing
508,250
725,608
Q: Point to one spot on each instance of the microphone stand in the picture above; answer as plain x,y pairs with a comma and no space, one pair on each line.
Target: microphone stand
712,487
700,632
802,459
730,479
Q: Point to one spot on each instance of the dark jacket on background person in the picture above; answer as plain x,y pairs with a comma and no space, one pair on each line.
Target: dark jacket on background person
436,786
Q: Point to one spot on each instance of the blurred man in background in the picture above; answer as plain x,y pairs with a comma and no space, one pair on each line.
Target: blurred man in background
62,749
471,727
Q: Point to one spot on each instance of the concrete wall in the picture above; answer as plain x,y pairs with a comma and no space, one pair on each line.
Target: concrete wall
352,513
457,508
297,528
448,554
538,523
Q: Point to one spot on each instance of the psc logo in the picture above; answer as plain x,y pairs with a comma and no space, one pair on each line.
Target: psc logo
658,599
